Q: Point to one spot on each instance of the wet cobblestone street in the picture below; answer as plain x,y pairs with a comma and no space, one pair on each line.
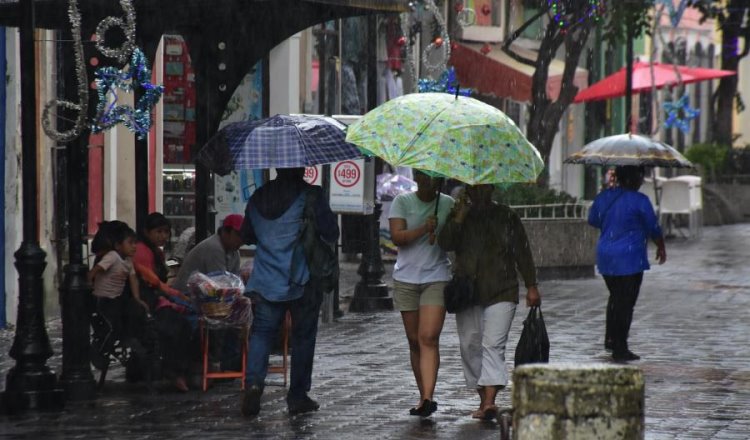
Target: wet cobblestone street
690,326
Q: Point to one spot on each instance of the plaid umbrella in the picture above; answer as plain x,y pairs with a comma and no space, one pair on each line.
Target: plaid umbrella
281,141
629,149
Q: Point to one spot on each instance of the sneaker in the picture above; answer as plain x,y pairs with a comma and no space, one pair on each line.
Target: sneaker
625,356
299,405
251,401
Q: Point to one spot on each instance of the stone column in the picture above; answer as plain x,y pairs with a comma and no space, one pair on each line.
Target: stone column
575,401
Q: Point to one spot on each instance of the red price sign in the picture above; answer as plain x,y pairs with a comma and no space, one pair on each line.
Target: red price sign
347,173
311,175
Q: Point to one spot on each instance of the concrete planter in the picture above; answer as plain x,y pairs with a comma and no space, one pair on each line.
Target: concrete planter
582,402
562,248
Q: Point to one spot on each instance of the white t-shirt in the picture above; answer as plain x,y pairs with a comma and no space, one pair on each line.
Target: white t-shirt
111,282
420,262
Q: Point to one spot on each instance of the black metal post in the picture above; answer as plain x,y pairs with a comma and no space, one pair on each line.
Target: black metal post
141,181
629,74
30,384
75,293
371,293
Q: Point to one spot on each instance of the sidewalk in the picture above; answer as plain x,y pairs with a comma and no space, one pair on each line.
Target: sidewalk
691,326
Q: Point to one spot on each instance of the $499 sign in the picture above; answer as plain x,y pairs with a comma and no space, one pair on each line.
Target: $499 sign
347,173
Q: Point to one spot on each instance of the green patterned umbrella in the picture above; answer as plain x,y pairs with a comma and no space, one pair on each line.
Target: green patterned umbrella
449,136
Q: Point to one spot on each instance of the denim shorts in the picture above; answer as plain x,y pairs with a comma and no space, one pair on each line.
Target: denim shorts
407,297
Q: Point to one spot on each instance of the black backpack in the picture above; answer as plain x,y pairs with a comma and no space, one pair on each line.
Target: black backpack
321,257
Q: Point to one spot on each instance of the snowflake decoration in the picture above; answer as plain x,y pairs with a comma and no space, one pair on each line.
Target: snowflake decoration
679,114
109,80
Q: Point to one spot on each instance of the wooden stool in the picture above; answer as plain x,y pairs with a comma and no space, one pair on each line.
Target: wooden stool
205,327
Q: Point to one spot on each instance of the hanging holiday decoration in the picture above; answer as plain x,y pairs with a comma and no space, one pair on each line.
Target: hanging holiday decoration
48,124
123,52
675,13
679,114
437,45
109,80
557,12
466,17
446,83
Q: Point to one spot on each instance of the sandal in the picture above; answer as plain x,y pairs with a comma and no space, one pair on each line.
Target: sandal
489,413
425,410
477,414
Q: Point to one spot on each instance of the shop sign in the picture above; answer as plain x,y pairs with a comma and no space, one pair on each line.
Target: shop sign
352,187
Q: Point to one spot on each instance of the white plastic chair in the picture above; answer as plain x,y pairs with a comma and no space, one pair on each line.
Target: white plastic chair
695,185
650,191
675,200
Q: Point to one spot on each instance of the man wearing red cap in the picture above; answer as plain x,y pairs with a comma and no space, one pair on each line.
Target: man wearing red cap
219,252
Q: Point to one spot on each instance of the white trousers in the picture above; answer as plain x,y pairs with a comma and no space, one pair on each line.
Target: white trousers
483,334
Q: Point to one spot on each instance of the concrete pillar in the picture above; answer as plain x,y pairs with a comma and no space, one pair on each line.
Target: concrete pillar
581,402
284,77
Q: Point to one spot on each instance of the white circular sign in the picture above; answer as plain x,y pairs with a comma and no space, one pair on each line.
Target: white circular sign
347,173
311,175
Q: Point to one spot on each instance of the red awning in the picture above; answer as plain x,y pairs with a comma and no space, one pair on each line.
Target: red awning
500,75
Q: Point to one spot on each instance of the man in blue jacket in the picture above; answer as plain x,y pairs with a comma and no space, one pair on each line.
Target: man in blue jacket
281,281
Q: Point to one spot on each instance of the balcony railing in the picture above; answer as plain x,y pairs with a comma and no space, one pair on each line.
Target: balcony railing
562,211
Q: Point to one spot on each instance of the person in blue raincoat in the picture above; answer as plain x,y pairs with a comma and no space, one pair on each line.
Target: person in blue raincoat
627,221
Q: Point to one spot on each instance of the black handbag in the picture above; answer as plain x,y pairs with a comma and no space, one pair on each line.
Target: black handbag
533,345
460,293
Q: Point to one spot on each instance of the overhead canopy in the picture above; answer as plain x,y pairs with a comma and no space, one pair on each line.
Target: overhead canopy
500,75
52,14
381,5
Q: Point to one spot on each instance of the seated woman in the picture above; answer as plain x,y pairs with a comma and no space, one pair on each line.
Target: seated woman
176,341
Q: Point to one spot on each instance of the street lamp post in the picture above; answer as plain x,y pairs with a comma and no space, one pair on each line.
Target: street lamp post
371,293
75,293
30,384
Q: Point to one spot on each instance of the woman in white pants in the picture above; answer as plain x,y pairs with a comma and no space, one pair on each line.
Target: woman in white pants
491,246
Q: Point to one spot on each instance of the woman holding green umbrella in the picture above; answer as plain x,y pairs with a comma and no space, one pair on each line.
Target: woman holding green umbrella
419,277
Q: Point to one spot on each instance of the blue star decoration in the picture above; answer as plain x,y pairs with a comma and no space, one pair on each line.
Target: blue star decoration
111,79
679,113
446,83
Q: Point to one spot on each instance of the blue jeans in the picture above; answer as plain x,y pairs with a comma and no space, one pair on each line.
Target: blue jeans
266,323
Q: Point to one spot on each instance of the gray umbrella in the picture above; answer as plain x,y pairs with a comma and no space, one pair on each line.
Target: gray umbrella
629,149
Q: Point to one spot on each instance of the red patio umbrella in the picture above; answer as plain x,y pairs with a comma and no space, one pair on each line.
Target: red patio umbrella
613,86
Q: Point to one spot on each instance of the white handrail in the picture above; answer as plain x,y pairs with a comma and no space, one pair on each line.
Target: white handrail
561,211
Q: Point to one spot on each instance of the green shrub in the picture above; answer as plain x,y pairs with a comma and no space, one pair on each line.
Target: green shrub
711,157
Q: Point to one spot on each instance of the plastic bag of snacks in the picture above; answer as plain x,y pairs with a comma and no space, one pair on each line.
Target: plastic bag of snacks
218,296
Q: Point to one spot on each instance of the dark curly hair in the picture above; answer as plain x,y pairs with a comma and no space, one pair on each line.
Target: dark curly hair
630,176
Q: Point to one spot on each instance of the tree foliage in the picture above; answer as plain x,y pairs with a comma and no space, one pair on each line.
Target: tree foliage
733,18
545,114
